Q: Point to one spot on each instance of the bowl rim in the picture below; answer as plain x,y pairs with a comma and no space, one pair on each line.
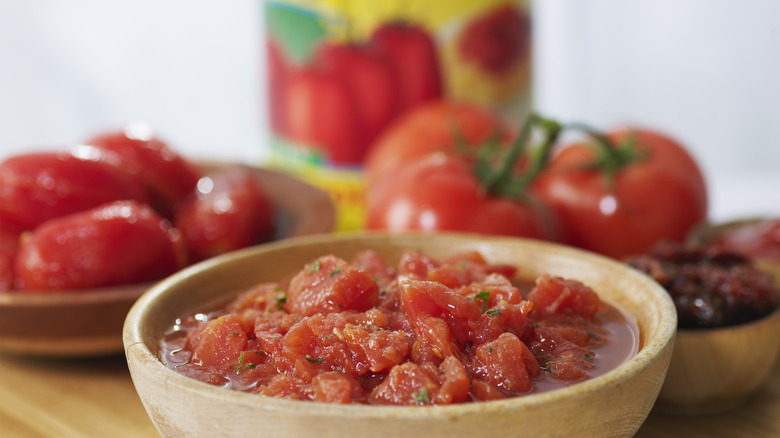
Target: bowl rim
137,350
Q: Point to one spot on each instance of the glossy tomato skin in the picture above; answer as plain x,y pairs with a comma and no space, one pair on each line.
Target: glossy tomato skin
167,176
229,210
440,192
122,242
413,57
39,186
662,196
432,127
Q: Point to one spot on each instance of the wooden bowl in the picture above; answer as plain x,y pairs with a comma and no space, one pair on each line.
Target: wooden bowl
614,404
715,370
89,323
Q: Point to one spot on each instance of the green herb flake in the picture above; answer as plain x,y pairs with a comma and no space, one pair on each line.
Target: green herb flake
490,350
335,272
282,299
245,367
317,360
494,312
315,267
421,396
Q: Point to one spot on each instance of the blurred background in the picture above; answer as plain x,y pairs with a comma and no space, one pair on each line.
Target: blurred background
704,71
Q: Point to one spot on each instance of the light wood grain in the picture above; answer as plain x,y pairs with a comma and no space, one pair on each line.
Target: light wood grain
96,398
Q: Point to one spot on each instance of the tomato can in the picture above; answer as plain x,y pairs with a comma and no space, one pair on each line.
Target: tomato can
339,72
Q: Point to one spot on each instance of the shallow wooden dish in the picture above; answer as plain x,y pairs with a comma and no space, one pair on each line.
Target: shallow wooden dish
88,323
611,405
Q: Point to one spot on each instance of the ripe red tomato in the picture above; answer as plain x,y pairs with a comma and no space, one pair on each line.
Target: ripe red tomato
435,126
36,187
658,194
229,210
167,176
441,192
118,243
414,59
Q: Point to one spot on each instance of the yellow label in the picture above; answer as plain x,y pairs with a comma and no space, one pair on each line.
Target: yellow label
470,66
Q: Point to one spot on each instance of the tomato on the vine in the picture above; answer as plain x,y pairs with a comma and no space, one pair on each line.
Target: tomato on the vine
441,192
479,191
622,192
431,127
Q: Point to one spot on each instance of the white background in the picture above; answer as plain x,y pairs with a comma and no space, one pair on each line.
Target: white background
704,71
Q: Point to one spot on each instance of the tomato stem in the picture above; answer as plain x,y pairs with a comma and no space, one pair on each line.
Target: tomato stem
611,157
501,180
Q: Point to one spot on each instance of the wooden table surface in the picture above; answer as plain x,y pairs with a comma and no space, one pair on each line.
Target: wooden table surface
96,398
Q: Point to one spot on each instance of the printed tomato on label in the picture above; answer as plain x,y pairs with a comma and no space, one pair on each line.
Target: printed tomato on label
624,191
482,192
123,242
167,176
414,60
229,210
39,186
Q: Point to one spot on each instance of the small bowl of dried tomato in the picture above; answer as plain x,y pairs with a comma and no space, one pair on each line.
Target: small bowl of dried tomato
373,334
756,238
728,337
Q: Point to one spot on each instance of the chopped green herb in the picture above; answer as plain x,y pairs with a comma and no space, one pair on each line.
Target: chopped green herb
315,267
483,295
241,358
490,350
282,299
588,358
421,396
317,360
494,312
335,272
247,366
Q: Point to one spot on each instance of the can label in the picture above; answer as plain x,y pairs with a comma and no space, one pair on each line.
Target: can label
340,72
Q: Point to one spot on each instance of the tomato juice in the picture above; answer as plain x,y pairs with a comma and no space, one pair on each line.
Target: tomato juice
424,332
340,72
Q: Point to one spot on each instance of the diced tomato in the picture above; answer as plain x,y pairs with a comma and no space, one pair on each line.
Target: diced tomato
557,295
407,384
219,341
332,387
330,284
508,364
